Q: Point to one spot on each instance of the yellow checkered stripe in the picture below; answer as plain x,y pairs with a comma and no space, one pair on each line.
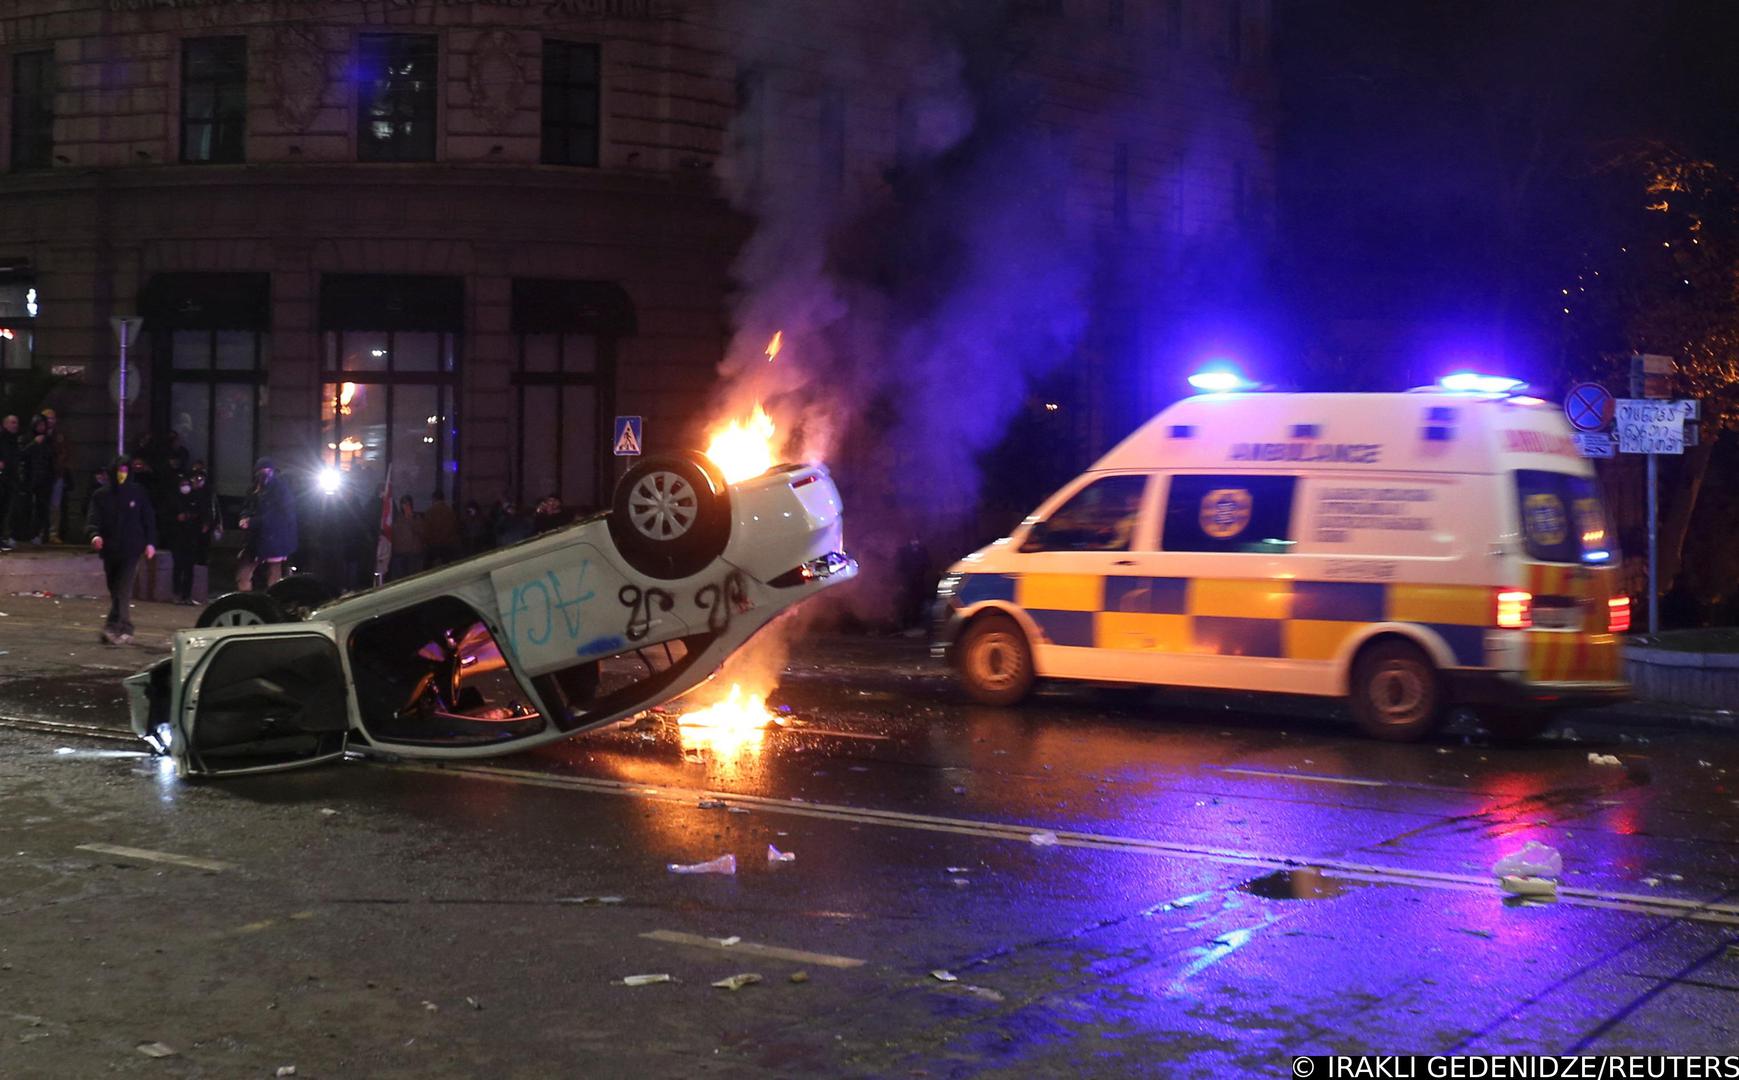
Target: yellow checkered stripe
1591,655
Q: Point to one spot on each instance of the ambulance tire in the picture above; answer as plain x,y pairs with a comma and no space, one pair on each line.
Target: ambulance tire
995,661
671,515
1512,727
1396,695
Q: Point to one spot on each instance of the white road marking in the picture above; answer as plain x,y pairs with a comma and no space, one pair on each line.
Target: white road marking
1664,907
1309,777
751,948
157,856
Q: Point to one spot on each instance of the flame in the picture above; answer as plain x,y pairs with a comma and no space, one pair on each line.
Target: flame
775,345
729,728
743,448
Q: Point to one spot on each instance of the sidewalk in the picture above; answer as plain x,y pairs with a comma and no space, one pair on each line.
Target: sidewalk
75,570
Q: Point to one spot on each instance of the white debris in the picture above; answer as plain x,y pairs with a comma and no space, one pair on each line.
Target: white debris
1043,839
588,900
645,980
726,942
775,855
724,864
1704,764
984,992
474,1003
959,881
960,869
711,804
285,1070
1536,860
155,1049
326,811
1531,888
944,976
429,1006
1675,877
1603,759
1651,882
737,982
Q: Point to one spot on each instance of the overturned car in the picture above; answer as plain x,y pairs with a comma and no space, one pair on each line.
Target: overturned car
548,638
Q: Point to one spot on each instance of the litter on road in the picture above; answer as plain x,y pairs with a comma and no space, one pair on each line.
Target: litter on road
711,804
775,855
944,976
1043,839
724,864
645,980
1536,860
156,1050
737,982
285,1070
589,900
800,976
1531,888
1604,759
727,942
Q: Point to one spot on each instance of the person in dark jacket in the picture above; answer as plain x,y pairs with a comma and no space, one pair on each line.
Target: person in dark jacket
37,467
123,530
270,521
190,523
11,465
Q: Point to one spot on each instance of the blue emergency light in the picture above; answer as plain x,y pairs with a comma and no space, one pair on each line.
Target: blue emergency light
1468,382
1220,379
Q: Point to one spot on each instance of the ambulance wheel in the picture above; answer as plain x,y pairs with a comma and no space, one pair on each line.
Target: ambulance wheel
300,594
1515,726
671,515
1396,695
241,609
995,662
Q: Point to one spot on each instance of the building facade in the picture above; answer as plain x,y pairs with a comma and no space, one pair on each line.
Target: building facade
454,238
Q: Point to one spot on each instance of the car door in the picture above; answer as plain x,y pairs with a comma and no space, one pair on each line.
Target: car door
257,699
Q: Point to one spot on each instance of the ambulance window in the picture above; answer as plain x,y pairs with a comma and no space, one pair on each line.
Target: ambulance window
1099,517
1229,513
1563,519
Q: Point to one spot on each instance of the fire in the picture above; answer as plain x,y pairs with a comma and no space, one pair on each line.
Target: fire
775,345
743,448
730,728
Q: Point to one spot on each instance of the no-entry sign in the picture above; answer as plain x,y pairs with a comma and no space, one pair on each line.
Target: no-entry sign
1589,407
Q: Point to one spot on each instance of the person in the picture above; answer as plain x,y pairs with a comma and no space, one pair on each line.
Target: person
37,461
60,465
474,528
269,518
11,462
123,528
550,514
407,540
190,511
175,455
440,532
509,525
144,474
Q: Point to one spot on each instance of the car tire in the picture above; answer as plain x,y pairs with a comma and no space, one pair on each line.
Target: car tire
300,594
671,515
1512,727
1396,695
994,660
241,609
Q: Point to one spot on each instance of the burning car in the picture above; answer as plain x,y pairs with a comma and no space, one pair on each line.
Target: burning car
548,638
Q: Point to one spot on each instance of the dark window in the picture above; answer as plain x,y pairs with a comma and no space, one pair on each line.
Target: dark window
561,414
214,99
1229,513
570,103
1100,517
395,97
33,110
1563,519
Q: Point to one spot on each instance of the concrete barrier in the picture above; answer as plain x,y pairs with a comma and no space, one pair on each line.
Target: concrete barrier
1703,680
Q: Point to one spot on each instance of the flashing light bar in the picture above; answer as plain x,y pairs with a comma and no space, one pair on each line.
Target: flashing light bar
1220,380
1468,382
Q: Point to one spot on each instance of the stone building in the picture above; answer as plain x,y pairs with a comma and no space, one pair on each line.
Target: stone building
458,237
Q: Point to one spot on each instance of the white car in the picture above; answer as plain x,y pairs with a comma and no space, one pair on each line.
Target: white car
551,637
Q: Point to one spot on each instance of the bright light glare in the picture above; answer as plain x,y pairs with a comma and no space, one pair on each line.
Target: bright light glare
1468,382
1597,556
330,481
1219,380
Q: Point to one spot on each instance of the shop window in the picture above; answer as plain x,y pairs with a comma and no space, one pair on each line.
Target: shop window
214,107
395,109
387,402
570,103
33,85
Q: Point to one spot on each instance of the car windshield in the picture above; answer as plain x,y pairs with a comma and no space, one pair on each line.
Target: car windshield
1563,519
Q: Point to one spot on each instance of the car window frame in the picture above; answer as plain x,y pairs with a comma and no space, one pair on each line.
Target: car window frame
1141,537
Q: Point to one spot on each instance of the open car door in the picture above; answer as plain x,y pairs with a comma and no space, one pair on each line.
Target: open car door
257,699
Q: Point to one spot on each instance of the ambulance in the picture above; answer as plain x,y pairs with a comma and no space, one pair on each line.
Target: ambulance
1406,552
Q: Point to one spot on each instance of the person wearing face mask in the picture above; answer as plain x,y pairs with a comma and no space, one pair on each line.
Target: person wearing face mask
123,529
270,520
190,512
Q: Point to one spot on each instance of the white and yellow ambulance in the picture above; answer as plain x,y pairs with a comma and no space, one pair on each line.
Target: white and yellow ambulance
1406,551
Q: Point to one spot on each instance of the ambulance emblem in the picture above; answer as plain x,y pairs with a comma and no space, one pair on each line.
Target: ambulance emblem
1225,512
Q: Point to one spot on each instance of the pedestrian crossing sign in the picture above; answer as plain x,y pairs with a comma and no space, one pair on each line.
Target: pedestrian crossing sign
627,441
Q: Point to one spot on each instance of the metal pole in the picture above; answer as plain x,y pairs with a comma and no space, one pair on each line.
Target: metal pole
121,409
1654,590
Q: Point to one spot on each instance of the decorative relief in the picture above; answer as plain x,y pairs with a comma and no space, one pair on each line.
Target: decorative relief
296,74
498,79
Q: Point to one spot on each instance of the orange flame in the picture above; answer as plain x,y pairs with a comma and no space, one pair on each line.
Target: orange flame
775,345
743,448
729,729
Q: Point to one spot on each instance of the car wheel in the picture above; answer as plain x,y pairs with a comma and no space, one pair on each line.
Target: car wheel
995,661
300,594
1396,694
671,515
241,609
1516,726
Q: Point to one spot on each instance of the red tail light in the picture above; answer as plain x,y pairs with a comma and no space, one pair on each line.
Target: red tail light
1618,615
1515,609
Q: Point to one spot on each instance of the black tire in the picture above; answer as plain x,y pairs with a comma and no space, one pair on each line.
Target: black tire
1396,695
1512,727
995,661
241,609
300,594
671,515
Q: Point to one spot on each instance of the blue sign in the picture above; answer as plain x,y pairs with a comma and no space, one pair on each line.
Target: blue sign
1589,407
627,438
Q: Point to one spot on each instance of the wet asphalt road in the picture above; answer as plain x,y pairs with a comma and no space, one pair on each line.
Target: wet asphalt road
1159,934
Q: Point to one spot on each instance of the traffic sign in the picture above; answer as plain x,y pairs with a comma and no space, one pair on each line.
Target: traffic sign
1649,376
1589,407
627,439
1595,444
1653,427
126,328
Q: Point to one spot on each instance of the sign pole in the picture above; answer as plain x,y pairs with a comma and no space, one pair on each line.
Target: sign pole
126,328
1654,592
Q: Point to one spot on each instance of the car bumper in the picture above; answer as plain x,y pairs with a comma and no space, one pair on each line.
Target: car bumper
1508,689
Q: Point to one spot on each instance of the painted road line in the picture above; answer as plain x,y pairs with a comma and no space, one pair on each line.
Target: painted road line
55,727
751,948
1311,778
837,734
157,856
1018,833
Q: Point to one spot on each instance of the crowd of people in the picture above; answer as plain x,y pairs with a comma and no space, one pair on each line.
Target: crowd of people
35,466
